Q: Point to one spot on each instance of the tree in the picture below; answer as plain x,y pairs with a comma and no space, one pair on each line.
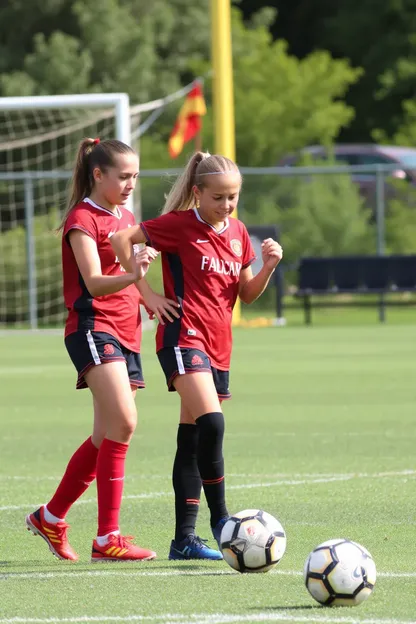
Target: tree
149,49
378,36
282,103
141,47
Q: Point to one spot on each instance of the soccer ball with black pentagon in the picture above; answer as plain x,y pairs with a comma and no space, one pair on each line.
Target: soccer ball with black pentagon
340,573
253,541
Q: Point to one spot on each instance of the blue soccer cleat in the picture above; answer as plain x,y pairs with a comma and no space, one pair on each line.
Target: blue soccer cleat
216,531
192,547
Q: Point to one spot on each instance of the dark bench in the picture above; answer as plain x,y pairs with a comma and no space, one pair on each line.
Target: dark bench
356,275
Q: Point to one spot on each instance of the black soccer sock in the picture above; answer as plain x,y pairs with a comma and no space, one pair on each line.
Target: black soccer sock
211,463
186,481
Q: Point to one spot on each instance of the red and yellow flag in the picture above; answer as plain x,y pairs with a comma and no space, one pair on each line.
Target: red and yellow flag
188,122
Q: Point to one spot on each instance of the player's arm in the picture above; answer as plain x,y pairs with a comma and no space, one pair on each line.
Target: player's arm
251,287
88,261
122,242
159,306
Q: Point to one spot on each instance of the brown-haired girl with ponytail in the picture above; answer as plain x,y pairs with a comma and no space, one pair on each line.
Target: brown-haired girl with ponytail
206,257
103,327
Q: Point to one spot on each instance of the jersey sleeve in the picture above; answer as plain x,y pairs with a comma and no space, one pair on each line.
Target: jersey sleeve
248,251
81,219
162,233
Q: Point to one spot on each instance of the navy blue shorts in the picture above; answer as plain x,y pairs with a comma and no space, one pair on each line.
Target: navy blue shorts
180,361
92,348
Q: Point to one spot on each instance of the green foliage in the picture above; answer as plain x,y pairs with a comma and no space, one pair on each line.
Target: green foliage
123,46
149,49
405,134
377,36
401,227
322,215
14,274
282,103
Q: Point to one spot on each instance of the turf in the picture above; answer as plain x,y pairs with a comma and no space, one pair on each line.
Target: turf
320,433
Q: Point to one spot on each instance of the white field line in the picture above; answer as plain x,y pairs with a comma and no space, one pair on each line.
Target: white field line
237,475
211,618
243,486
17,576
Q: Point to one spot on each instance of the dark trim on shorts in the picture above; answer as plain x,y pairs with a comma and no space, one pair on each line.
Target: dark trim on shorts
184,361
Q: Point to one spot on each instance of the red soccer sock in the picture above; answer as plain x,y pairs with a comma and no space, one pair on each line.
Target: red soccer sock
110,482
79,474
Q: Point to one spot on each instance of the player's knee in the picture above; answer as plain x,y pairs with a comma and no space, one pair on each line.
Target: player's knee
127,426
122,425
97,438
211,426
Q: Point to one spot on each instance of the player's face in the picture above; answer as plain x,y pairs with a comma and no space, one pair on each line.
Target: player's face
219,197
117,183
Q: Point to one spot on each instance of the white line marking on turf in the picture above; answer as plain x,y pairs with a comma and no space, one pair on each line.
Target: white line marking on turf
242,486
239,475
205,618
161,573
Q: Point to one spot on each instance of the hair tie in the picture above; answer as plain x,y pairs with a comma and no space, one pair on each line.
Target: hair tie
96,141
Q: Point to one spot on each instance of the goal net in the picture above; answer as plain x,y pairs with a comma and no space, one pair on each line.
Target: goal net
38,143
39,137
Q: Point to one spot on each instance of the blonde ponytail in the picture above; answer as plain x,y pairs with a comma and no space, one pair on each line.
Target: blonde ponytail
181,196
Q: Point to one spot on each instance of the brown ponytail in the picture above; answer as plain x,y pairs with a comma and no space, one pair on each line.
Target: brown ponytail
92,153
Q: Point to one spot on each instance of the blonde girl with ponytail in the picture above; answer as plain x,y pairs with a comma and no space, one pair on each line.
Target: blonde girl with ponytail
206,259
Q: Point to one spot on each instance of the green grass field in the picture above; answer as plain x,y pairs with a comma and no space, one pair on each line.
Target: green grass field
320,432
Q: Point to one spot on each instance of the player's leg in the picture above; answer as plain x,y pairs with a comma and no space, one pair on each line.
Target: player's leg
199,394
187,487
49,520
186,479
79,474
112,392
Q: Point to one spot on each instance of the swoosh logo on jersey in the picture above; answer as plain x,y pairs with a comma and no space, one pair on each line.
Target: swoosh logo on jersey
116,479
110,234
200,240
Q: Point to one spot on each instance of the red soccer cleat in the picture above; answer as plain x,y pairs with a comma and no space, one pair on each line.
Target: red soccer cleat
119,548
53,534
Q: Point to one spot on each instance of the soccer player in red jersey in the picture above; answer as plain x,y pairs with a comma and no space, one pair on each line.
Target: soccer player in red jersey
206,258
103,327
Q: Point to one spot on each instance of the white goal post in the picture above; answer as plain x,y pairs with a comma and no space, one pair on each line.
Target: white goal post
119,101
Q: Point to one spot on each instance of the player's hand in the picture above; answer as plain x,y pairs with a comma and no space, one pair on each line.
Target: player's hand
161,307
271,253
142,262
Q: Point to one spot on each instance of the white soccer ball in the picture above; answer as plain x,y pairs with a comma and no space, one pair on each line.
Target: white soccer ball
253,541
340,573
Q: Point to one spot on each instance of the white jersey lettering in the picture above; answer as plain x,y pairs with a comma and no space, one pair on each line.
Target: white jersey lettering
223,267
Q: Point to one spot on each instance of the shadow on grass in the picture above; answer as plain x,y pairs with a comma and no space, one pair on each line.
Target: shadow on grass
286,608
23,568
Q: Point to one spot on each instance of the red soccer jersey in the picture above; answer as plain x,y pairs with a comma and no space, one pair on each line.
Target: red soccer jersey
117,314
201,270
